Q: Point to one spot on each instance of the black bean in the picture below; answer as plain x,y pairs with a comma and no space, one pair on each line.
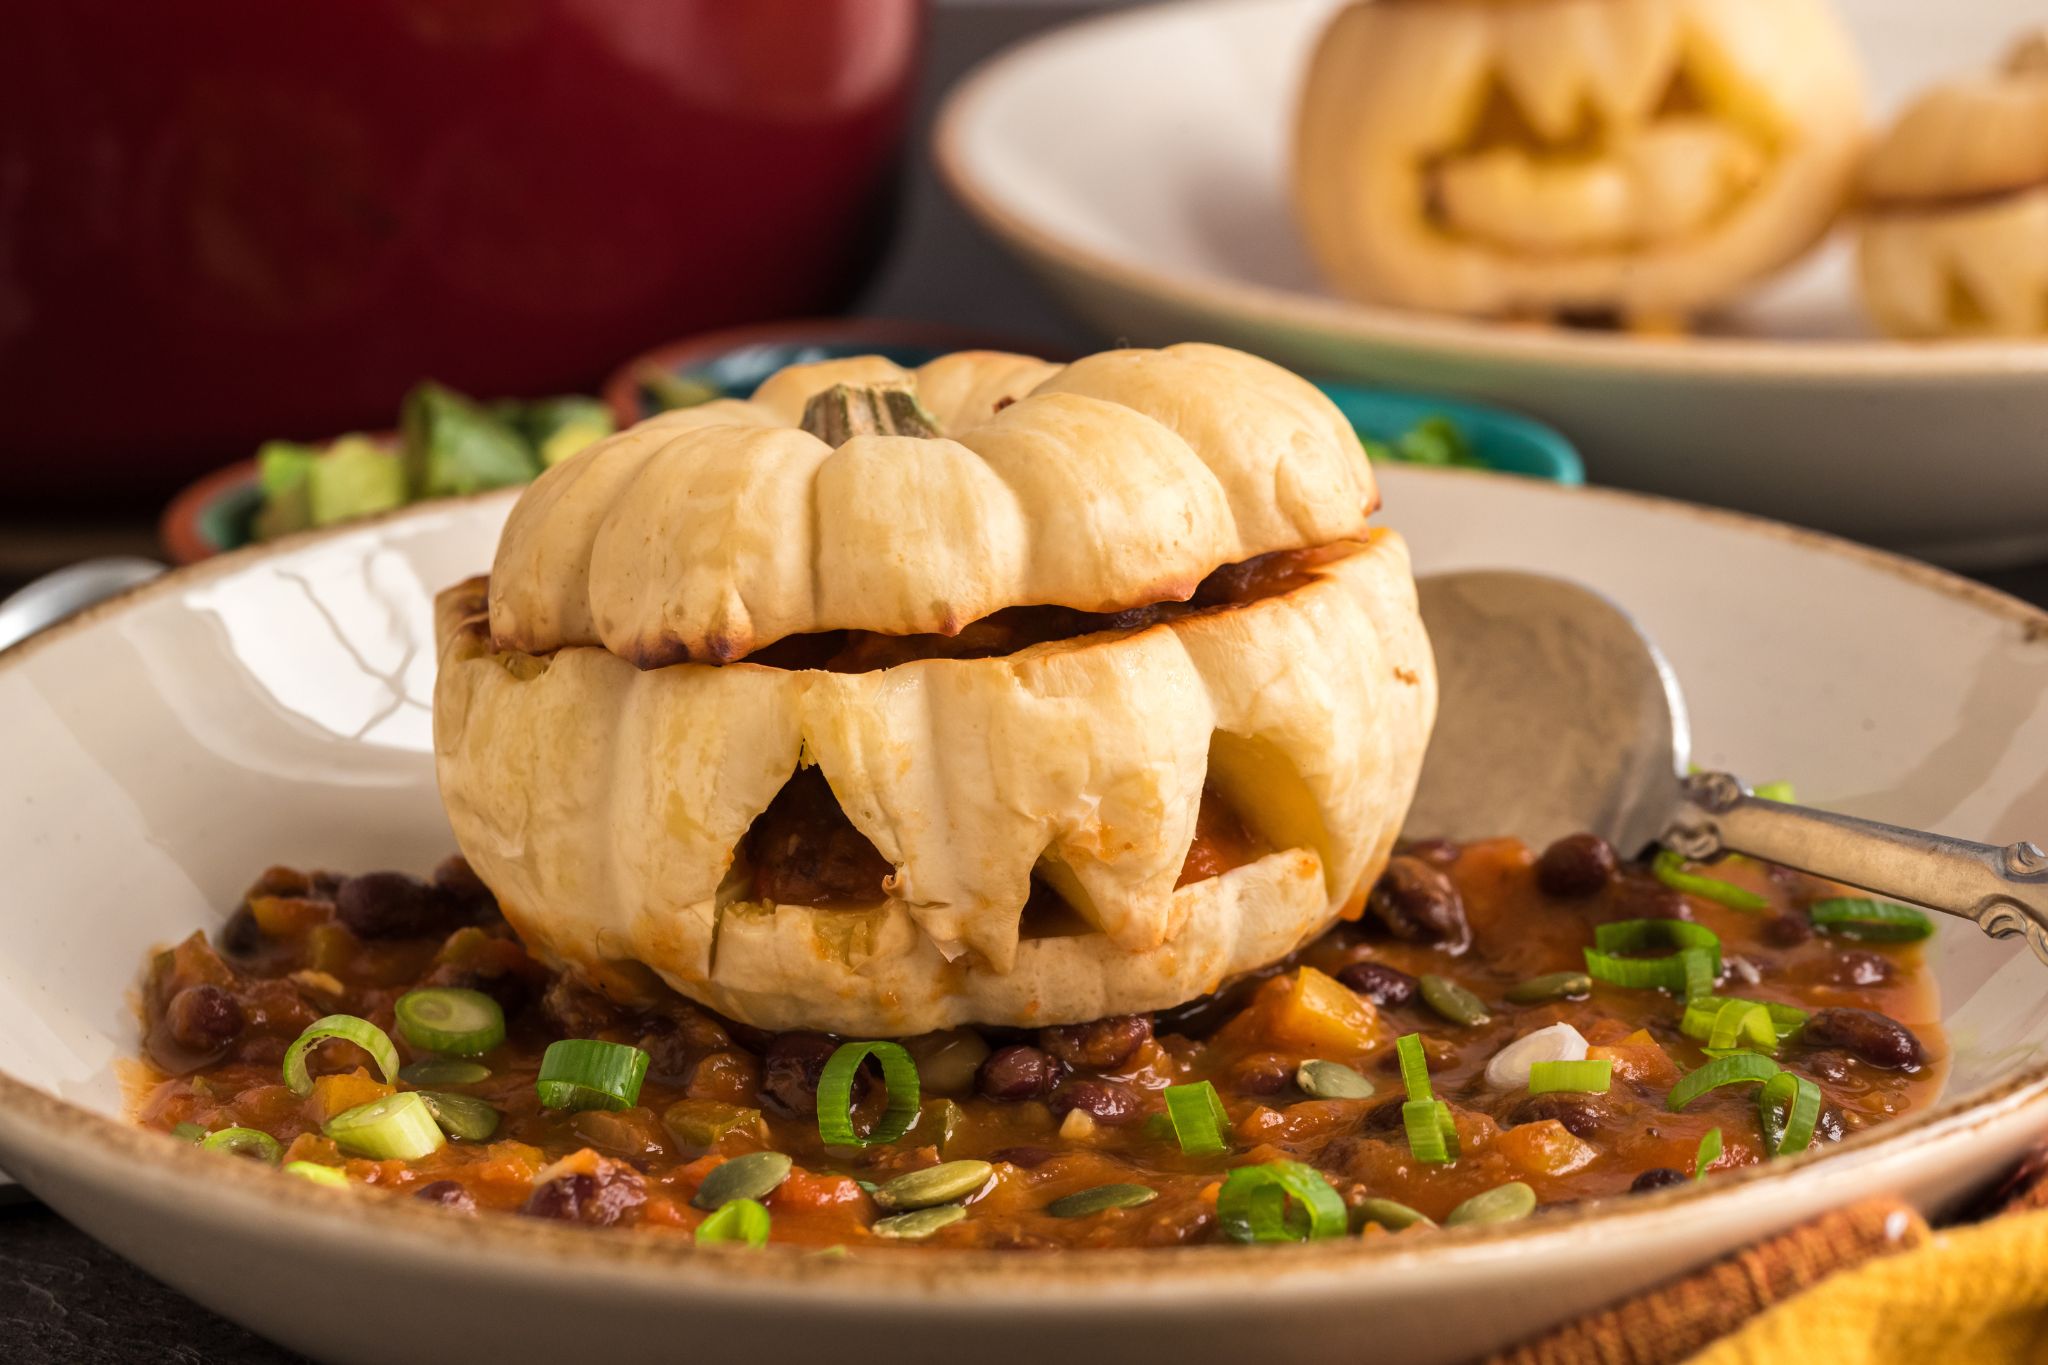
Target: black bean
1379,983
1859,967
1017,1072
1107,1102
1657,1178
204,1018
241,936
600,1199
1878,1040
1575,866
790,1070
1786,931
1102,1044
447,1194
469,900
1581,1115
1417,902
391,905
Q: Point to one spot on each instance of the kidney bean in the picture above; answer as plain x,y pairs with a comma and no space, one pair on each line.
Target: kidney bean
1859,967
790,1071
1576,866
1581,1115
1878,1040
390,905
1417,902
730,1076
1383,985
1017,1072
600,1200
1102,1044
1262,1073
1657,1178
203,1018
1441,852
1786,931
1107,1102
1828,1064
447,1194
1637,898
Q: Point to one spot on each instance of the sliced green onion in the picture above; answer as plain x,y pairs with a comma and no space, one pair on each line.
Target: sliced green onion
455,1022
835,1094
462,1116
1789,1108
1280,1201
348,1028
433,1071
1702,1011
1432,1135
315,1172
395,1128
1731,1070
1870,921
244,1142
1738,1023
1709,1153
1589,1077
1697,960
188,1132
737,1220
1698,964
588,1073
1780,792
1669,869
1641,935
1198,1118
1414,1065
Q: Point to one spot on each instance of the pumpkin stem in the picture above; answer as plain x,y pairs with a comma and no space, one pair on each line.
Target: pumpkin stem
848,410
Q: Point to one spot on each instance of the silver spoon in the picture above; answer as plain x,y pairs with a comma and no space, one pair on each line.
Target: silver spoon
1558,715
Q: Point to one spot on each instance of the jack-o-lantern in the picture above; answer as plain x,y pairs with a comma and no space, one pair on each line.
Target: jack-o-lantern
1955,224
994,692
1533,158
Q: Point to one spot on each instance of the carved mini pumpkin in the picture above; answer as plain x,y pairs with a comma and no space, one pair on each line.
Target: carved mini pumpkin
992,692
1955,228
1544,157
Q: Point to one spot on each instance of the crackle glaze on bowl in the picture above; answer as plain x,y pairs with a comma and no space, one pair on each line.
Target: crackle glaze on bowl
272,706
1138,162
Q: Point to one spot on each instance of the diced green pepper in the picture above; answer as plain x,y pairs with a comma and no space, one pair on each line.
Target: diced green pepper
453,445
559,427
282,469
353,478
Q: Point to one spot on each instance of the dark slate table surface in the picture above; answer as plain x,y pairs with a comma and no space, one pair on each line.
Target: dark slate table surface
66,1301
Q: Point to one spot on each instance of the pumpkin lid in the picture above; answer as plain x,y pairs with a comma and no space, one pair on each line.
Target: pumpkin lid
853,494
1982,134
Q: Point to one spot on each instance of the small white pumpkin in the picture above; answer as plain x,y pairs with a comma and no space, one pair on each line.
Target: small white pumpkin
1538,157
1954,235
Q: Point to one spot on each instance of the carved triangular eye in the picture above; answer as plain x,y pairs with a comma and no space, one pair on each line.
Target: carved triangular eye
803,850
1965,311
1260,785
1500,121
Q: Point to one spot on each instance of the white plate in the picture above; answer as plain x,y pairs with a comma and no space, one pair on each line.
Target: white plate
1138,162
272,706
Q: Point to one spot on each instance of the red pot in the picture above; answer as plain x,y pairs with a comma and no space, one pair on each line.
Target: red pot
244,219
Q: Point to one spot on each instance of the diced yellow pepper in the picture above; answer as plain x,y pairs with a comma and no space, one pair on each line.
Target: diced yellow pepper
1318,1012
1545,1148
341,1092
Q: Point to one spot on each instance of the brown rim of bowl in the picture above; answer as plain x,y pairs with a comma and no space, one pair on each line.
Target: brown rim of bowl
189,1175
621,389
178,526
1707,358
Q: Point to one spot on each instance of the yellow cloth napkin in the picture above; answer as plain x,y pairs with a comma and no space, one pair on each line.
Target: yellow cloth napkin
1976,1294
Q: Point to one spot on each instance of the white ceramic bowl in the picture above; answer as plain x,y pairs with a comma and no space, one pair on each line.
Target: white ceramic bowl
1138,162
272,706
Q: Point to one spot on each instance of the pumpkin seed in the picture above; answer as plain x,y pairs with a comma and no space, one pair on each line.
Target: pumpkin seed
1502,1204
1454,1002
1538,990
1392,1214
1081,1203
433,1071
940,1184
461,1116
753,1176
1331,1081
911,1227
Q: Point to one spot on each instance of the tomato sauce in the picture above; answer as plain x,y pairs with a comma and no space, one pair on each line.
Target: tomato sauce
1058,1111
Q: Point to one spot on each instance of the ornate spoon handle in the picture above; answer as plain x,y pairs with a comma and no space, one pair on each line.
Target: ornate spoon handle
2003,890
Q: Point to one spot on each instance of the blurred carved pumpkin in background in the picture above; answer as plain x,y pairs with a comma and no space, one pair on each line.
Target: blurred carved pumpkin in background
1955,232
1544,157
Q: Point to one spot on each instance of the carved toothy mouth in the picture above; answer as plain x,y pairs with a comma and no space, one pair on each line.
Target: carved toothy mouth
1607,176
